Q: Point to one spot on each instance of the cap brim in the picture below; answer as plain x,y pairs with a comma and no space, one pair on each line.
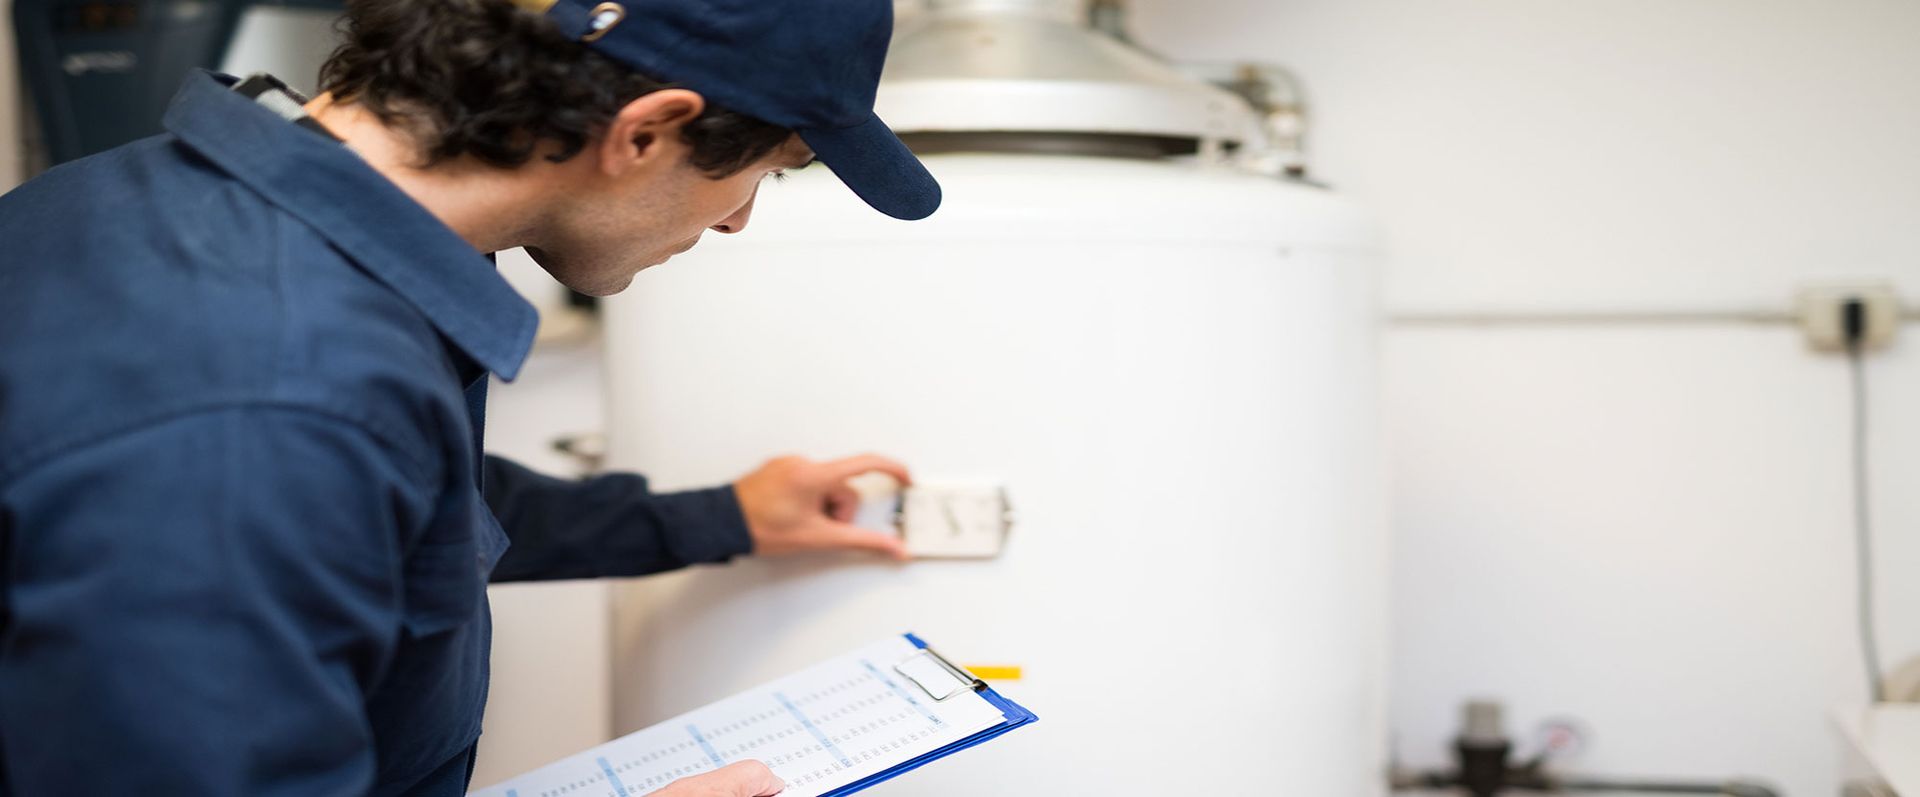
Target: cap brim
873,162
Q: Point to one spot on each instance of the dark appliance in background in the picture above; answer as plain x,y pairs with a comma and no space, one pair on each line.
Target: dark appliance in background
1488,764
99,73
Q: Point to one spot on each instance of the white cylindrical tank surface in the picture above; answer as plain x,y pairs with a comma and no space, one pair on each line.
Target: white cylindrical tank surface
1168,367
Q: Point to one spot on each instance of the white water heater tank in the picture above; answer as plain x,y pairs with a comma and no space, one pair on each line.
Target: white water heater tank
1169,368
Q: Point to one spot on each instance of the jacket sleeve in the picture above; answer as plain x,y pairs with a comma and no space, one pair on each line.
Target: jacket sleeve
608,525
200,607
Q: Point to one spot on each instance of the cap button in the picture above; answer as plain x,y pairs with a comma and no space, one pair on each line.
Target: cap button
601,19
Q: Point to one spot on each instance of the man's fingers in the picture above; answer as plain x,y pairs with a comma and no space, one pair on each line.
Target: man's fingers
842,502
841,470
832,534
769,783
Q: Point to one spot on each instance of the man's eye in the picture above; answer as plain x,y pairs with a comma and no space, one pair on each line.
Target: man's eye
779,176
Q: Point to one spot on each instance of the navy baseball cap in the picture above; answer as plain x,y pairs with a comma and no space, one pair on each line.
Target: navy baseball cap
812,66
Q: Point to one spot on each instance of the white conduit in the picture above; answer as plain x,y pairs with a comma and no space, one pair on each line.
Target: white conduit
1064,10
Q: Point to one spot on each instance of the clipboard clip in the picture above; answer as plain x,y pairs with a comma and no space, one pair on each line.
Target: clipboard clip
939,678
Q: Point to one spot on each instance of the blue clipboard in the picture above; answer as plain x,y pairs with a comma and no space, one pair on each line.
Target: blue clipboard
1016,716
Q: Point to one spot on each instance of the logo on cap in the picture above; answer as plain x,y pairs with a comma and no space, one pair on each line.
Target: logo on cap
602,19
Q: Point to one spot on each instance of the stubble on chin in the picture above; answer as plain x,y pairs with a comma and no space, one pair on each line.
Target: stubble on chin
597,282
607,286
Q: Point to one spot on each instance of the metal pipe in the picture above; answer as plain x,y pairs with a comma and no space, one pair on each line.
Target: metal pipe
1593,318
1276,95
1729,789
1110,17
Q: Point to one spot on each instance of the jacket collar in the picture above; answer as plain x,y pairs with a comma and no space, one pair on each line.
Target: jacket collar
363,214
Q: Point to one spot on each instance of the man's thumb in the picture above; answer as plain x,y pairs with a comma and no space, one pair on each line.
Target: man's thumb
753,779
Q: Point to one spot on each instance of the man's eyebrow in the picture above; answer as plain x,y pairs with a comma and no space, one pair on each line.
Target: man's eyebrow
803,162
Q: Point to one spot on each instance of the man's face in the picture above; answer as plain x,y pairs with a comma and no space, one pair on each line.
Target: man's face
613,227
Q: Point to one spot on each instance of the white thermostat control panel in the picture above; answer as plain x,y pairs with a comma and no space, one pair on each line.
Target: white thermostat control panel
940,520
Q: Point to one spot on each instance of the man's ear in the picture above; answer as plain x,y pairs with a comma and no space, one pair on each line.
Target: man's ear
648,130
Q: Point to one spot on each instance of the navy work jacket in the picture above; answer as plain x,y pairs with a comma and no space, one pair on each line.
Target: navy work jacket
244,541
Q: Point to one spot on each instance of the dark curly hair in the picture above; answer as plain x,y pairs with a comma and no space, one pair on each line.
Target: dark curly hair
488,79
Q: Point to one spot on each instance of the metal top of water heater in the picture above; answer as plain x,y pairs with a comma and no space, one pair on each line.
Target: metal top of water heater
1033,70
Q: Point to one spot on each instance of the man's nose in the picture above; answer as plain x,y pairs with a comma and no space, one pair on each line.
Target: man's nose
738,221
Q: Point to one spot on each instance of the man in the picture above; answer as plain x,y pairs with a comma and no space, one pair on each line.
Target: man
244,537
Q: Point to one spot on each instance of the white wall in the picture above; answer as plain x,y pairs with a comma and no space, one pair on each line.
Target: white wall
289,43
1584,153
1643,527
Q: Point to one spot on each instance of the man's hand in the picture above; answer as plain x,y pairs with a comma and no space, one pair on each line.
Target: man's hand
794,505
745,779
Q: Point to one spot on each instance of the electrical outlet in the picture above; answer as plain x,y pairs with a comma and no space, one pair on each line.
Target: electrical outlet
1823,314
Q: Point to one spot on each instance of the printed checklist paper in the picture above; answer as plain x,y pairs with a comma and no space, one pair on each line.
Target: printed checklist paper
821,729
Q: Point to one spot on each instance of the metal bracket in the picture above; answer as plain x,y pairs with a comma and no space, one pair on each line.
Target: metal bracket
939,678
